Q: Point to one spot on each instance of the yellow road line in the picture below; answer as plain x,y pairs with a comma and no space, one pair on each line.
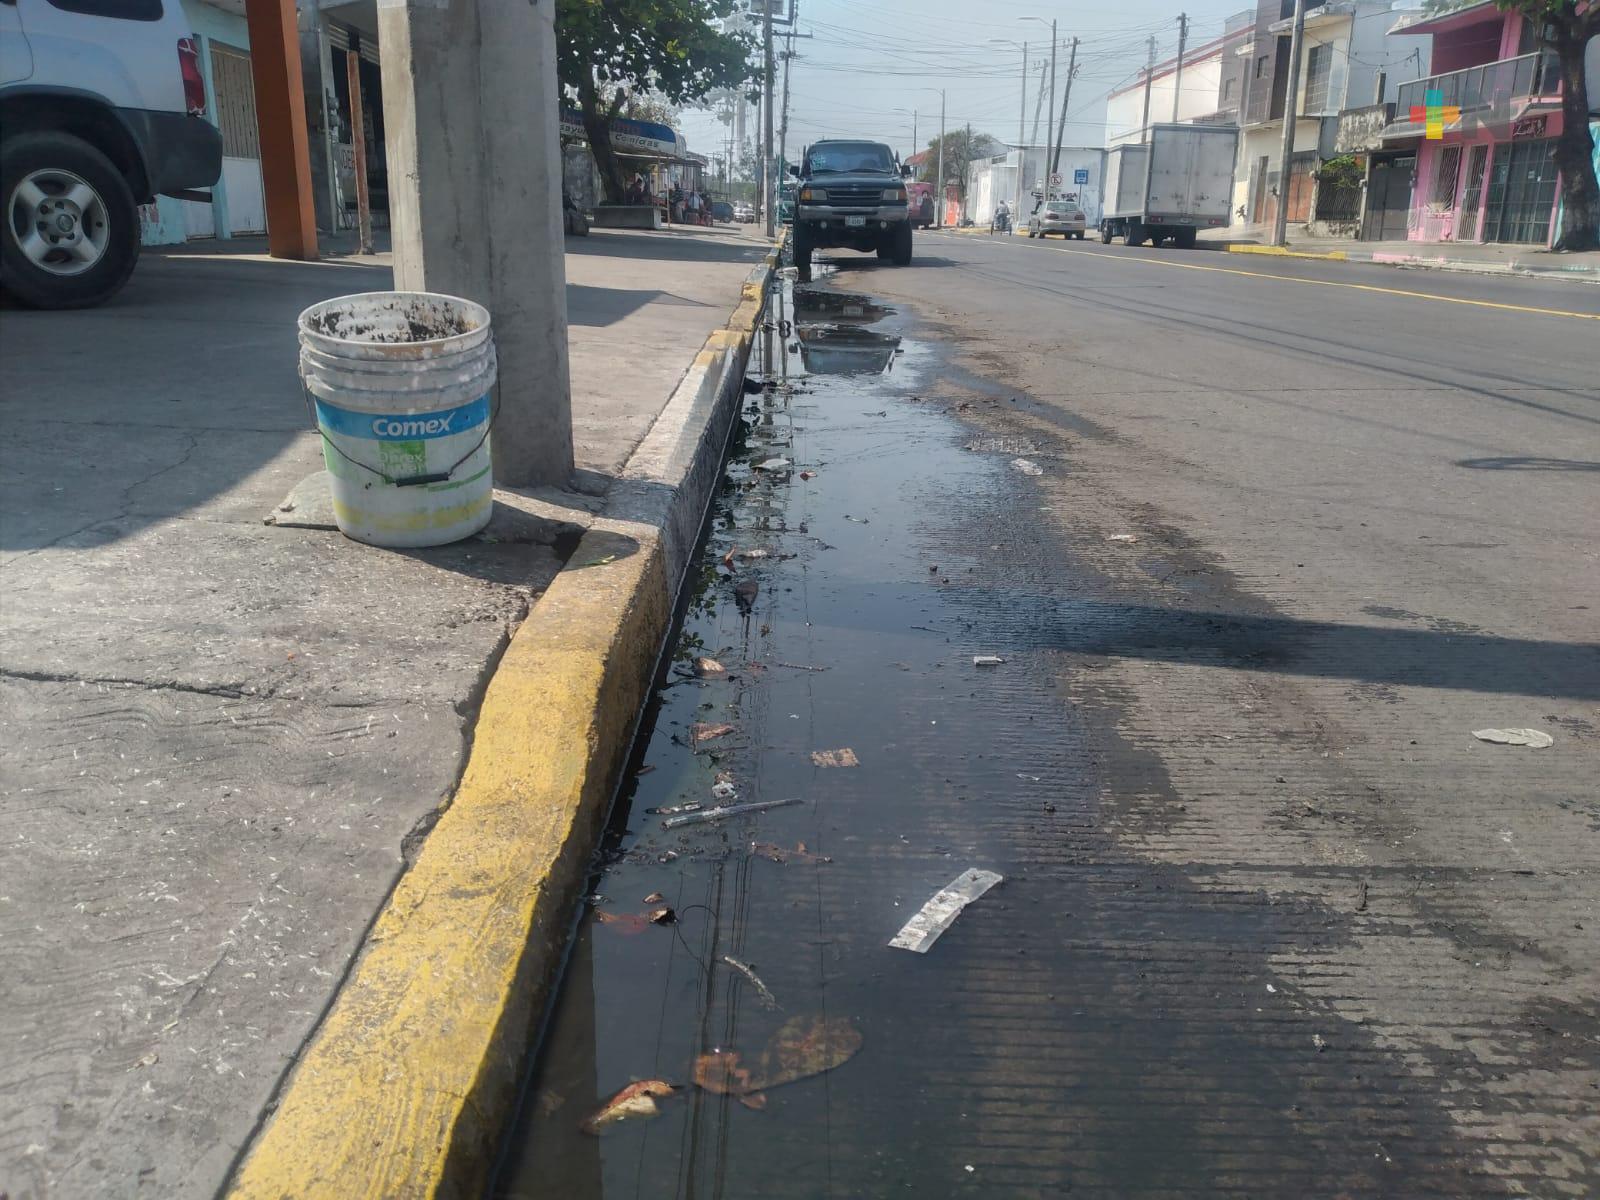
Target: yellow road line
1335,283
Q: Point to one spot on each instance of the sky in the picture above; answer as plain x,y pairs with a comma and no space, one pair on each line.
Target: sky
870,63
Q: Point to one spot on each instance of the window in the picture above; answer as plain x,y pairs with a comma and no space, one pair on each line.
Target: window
836,158
128,10
1227,90
1446,178
1319,67
1261,67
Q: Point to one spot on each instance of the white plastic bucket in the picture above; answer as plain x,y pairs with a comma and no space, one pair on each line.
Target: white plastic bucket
401,383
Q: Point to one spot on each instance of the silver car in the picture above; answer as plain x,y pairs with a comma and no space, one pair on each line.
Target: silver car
1057,216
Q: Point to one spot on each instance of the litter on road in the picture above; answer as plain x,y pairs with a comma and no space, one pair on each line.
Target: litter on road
723,789
1027,466
701,732
768,1000
835,758
673,810
1123,537
803,1047
1534,739
723,811
940,912
635,1100
704,667
773,464
987,660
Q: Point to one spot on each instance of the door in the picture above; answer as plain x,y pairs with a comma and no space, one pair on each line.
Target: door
241,145
1522,193
1470,220
1258,189
1389,198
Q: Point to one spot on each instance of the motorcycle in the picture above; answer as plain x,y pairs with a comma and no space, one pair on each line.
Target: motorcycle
1001,223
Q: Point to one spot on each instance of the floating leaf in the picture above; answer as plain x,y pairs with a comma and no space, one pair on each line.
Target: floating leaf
635,1100
803,1047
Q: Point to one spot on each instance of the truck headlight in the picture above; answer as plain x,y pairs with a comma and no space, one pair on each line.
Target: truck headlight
895,195
813,194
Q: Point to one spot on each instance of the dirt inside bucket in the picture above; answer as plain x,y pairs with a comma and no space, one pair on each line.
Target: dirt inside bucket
418,322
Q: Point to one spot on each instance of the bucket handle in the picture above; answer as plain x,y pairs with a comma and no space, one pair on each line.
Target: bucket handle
405,480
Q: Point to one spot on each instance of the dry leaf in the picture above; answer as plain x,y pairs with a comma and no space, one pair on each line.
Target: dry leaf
803,1047
701,732
835,758
663,916
653,898
635,1100
626,924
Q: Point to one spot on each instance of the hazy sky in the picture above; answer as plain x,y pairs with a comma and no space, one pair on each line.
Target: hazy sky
868,59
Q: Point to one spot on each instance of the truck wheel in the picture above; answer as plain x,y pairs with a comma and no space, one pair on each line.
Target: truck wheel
802,253
1135,235
902,244
885,251
1105,235
71,234
1185,239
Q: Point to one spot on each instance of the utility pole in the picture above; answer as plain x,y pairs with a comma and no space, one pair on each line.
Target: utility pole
783,117
1038,106
454,230
938,216
769,189
916,146
1291,102
1149,75
358,142
1052,107
1066,97
1022,128
1177,79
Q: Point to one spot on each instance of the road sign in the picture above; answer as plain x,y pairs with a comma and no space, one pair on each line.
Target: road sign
1055,178
1081,176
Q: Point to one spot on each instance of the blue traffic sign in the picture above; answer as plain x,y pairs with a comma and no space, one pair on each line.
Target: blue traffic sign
1081,175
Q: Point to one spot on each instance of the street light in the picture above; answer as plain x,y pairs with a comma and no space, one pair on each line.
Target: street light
912,113
1022,117
1052,107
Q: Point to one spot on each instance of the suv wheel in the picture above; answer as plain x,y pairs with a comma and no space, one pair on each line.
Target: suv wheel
802,252
71,229
902,244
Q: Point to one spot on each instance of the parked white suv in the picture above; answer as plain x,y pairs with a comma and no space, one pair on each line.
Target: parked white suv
102,107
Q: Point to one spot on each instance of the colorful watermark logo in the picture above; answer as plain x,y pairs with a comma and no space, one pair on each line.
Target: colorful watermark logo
1435,114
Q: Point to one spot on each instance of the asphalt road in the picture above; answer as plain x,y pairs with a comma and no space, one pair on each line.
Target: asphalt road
1260,543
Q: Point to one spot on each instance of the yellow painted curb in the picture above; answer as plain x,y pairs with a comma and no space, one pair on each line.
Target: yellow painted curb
1283,252
409,1080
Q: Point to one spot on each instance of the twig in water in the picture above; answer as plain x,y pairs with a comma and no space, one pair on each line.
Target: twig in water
762,990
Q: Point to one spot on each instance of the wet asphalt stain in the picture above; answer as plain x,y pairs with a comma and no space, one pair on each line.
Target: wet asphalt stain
1096,1025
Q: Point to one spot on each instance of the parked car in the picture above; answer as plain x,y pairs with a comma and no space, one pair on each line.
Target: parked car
102,108
744,213
721,210
852,194
1057,216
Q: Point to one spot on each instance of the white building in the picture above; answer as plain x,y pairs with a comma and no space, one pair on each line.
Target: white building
1205,94
990,180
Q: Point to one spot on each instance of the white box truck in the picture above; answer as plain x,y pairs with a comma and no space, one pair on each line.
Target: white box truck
1173,186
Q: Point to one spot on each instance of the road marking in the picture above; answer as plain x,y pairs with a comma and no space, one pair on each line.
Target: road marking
1359,287
1334,283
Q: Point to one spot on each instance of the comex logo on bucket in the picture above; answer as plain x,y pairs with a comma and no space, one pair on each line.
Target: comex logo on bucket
395,427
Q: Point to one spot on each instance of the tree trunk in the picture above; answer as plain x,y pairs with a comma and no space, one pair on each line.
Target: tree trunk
1580,194
597,116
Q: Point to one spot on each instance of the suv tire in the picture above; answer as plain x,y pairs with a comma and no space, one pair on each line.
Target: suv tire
802,252
80,186
902,244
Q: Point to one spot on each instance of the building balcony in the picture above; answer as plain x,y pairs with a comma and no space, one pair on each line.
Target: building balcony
1491,93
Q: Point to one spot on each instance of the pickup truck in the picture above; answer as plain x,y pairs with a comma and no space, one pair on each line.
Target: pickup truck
851,194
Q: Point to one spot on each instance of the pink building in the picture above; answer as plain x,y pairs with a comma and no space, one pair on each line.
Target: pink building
1492,177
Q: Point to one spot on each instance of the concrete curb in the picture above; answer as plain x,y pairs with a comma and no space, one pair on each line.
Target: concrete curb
408,1082
1577,272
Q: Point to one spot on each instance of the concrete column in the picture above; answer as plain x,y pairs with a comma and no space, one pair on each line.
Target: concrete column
314,71
471,125
281,124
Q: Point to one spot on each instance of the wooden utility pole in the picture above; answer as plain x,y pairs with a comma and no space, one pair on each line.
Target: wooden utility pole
358,142
1066,96
1149,76
1177,79
281,128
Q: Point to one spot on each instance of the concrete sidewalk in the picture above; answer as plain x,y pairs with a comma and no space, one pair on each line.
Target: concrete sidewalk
1473,257
228,738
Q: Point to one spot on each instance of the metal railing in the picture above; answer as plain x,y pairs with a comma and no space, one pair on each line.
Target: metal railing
1492,85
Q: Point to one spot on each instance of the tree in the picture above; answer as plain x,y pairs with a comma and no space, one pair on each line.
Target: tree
961,146
607,50
1567,26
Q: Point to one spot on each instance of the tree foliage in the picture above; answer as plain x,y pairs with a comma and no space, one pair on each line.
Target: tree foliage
960,148
674,50
1566,26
